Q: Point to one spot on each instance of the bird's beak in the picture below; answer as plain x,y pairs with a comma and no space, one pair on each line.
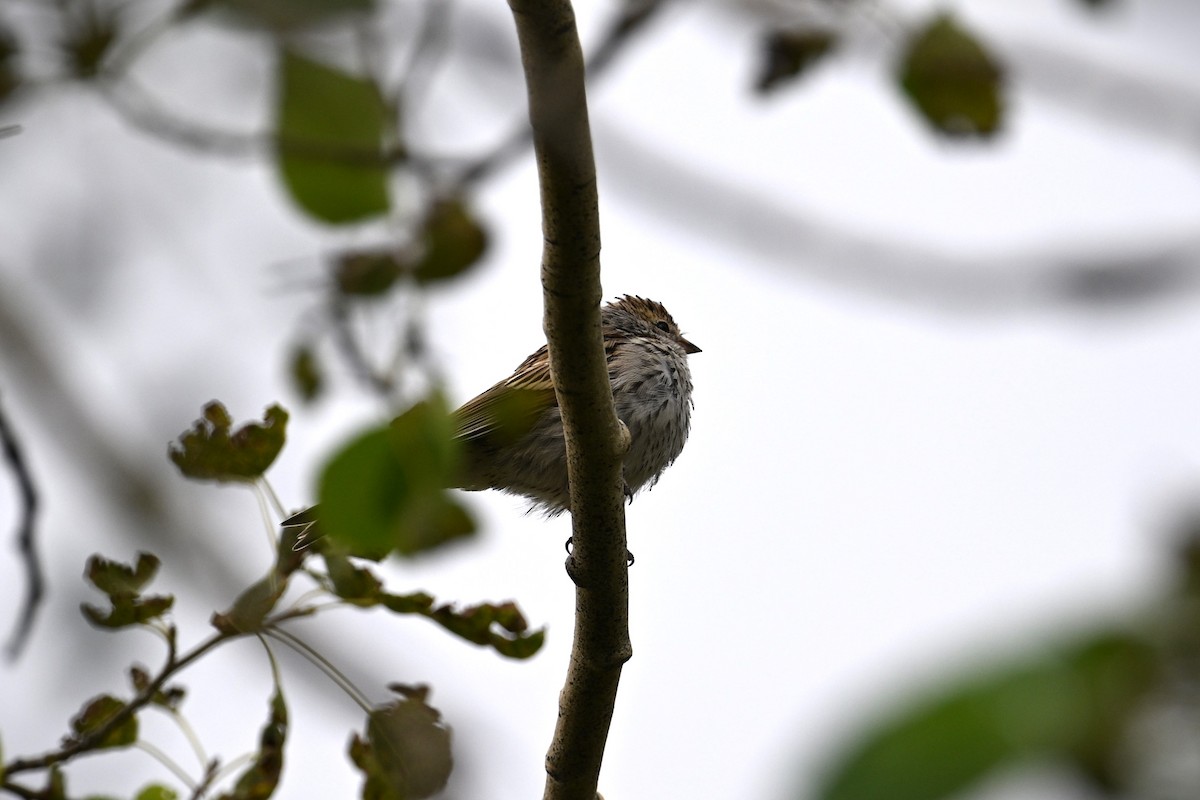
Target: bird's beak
688,347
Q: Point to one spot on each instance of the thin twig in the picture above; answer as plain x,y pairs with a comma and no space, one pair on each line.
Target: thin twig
26,538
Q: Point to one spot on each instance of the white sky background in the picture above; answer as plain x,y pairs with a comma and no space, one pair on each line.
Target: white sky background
879,488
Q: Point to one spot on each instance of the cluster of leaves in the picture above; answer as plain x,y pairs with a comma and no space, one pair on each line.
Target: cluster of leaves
947,74
385,494
1079,703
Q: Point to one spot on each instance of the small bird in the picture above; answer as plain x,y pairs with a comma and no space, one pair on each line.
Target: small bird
512,434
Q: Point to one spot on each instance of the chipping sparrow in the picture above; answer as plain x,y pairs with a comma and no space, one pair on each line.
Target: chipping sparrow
512,434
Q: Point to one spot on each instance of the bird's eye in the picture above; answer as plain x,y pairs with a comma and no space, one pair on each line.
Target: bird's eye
663,326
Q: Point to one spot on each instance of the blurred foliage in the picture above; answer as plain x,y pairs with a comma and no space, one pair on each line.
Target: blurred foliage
1078,703
281,15
406,752
326,112
790,53
210,452
90,31
952,80
10,75
259,780
386,491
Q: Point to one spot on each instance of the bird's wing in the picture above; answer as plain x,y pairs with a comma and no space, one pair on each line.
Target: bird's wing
509,409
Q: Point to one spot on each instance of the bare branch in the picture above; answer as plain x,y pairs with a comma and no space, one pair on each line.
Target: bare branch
26,543
596,441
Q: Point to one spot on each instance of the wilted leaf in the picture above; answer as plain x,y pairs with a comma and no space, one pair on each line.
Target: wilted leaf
282,15
502,627
789,54
98,713
406,754
453,242
259,781
1071,707
385,491
305,372
952,80
123,583
331,128
209,452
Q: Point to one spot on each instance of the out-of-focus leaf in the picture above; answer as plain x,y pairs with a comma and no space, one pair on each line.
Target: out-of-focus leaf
10,74
252,606
210,452
406,753
56,785
502,627
1071,706
1096,5
331,127
99,712
305,372
385,491
261,778
156,791
787,55
367,273
123,583
282,15
91,30
952,80
454,241
169,697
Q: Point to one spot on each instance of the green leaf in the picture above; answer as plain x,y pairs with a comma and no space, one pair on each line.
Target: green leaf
331,130
261,778
385,491
210,452
406,753
952,80
788,54
252,606
453,242
156,791
502,627
98,713
123,584
1071,706
305,372
282,15
367,273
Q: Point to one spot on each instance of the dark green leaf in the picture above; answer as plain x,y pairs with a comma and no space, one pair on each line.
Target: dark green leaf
367,273
209,452
1071,706
305,372
56,786
98,713
156,792
789,54
331,127
502,627
261,778
282,15
406,753
385,491
453,242
123,583
952,80
252,606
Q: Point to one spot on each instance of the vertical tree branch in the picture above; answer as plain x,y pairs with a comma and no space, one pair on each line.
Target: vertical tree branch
596,440
26,542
